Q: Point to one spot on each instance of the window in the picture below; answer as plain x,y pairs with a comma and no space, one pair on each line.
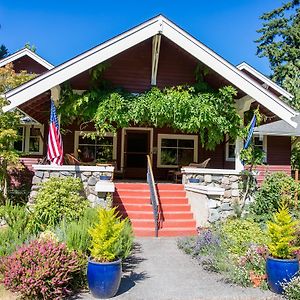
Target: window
100,149
176,150
19,145
230,150
259,142
30,139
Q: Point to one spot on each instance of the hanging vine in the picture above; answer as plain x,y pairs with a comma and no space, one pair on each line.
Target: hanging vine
209,114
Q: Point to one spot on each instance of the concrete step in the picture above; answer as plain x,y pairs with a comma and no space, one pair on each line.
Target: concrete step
177,232
179,223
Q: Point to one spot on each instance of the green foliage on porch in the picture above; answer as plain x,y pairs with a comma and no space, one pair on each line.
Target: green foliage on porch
211,114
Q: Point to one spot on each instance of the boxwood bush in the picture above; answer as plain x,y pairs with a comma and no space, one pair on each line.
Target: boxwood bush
58,199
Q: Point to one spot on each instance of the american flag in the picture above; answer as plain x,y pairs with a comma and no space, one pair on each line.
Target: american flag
250,132
55,145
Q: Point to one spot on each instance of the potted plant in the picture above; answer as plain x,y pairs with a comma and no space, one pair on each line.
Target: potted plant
111,241
282,265
194,179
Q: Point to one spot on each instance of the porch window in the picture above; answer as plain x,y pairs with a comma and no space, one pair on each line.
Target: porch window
98,149
30,139
19,145
259,142
176,150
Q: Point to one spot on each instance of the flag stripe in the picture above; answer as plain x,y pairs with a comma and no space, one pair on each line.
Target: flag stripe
55,145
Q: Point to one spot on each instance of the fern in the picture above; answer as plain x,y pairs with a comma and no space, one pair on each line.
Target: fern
282,232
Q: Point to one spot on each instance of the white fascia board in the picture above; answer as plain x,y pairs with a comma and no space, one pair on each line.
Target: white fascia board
82,63
268,81
24,52
228,71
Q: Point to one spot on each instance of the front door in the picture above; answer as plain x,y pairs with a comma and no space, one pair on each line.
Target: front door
136,148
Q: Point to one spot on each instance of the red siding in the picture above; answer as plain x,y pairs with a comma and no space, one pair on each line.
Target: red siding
279,150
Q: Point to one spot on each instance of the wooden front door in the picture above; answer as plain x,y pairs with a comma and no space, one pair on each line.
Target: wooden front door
136,147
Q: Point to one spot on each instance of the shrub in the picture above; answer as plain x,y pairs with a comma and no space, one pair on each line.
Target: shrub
58,198
292,289
269,196
75,233
282,231
112,237
206,248
250,269
239,234
16,231
44,269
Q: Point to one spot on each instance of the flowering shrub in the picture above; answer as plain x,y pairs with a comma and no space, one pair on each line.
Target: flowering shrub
44,269
250,268
292,289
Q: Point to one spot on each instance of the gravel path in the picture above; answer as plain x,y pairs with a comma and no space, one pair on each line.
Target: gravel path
159,270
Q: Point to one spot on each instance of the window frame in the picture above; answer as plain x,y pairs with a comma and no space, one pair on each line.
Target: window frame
79,133
160,137
232,159
26,139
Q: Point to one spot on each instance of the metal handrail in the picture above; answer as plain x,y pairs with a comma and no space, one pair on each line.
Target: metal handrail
153,194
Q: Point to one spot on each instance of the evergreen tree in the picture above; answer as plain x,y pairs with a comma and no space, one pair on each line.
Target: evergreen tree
3,51
280,43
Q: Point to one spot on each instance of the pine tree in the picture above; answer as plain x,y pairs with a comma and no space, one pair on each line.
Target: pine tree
280,43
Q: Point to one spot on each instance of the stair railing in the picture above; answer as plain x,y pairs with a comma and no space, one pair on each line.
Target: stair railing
153,195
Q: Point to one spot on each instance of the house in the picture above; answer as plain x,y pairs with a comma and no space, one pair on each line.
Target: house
155,53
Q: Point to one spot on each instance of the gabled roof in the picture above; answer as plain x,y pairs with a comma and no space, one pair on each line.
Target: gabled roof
25,52
265,80
279,128
157,25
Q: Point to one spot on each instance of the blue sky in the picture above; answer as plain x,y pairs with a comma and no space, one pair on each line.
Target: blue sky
63,29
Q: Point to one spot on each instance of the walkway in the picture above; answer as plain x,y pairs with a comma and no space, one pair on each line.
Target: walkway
159,270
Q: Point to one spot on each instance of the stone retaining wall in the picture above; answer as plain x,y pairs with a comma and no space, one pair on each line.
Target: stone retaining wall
219,206
88,174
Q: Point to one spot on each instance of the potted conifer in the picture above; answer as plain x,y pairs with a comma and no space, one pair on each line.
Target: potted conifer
111,241
282,265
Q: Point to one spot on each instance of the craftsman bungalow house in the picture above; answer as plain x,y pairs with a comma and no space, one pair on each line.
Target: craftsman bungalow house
155,53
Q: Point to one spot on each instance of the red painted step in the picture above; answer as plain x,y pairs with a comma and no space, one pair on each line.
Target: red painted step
133,200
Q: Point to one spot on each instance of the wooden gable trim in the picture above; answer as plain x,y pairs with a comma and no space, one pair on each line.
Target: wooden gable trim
25,52
266,80
157,25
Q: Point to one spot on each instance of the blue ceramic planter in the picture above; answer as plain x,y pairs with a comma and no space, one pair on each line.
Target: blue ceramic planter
104,278
104,177
280,271
194,180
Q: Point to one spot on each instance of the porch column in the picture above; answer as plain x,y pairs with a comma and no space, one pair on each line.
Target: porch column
55,95
238,147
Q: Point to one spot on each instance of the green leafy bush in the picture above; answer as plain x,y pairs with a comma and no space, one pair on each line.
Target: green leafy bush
239,234
16,231
112,237
75,233
58,199
269,196
282,231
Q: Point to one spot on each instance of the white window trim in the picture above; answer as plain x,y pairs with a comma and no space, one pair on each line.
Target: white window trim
26,139
108,134
175,137
232,159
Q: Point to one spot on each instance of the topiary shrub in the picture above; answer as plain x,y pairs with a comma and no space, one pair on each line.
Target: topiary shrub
112,237
239,234
58,199
44,269
282,231
269,196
